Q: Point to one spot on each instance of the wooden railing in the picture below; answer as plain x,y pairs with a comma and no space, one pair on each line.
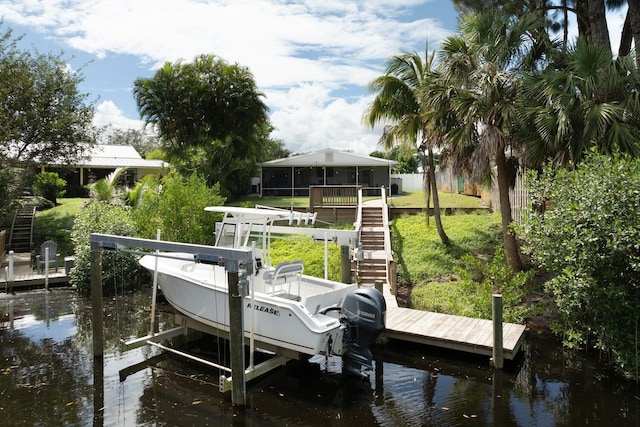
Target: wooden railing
391,264
329,195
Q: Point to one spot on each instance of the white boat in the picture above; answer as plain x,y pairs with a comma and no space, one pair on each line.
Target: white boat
283,307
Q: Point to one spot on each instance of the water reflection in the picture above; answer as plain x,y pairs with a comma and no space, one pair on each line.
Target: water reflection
48,378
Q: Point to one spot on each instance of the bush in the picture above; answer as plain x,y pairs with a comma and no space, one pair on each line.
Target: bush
119,270
175,205
49,185
585,229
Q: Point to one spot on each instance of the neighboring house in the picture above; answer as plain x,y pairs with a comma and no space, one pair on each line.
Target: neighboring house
100,162
292,176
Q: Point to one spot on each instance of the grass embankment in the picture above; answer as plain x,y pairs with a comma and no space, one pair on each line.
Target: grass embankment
56,224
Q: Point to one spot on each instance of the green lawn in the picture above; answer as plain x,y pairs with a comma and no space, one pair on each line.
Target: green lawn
413,199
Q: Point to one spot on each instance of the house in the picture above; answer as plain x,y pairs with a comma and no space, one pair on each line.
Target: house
292,176
100,162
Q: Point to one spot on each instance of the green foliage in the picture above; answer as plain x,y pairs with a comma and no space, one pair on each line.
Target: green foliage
211,118
106,189
584,227
120,271
10,179
175,205
44,117
49,185
311,253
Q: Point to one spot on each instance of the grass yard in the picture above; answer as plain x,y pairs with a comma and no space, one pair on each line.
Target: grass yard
56,224
411,199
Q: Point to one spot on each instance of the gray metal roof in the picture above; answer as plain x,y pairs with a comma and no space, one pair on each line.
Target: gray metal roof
113,156
329,157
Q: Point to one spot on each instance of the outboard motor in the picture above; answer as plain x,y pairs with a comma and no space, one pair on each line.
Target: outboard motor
363,313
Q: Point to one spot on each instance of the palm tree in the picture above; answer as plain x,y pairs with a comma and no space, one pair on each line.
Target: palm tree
398,100
481,74
106,189
584,101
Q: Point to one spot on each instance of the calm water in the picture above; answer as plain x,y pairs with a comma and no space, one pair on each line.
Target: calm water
48,378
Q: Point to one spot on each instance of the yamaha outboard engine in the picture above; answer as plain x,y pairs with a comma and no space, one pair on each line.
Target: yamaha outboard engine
363,314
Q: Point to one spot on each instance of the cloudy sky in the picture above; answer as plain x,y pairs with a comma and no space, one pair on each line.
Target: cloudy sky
311,58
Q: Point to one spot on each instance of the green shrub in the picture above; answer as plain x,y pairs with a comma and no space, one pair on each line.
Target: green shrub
584,227
120,271
175,205
49,185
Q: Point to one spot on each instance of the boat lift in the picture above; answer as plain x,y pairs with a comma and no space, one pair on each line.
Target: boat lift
239,264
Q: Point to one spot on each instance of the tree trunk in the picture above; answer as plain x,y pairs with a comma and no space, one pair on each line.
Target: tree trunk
633,13
626,38
509,238
598,29
436,200
426,183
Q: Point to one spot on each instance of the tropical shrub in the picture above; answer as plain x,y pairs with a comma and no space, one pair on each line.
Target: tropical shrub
49,185
120,270
584,228
175,205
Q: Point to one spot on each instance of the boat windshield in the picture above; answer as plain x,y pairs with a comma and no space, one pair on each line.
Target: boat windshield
226,237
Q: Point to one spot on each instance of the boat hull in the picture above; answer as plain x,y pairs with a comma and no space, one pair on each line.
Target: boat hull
200,292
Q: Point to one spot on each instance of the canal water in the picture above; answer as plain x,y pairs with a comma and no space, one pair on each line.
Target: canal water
48,378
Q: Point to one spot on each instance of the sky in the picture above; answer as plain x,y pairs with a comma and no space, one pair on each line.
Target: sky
312,59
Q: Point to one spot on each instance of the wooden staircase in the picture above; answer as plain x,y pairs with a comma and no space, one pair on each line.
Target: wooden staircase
20,239
373,266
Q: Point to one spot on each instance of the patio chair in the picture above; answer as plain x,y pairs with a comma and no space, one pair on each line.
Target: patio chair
53,255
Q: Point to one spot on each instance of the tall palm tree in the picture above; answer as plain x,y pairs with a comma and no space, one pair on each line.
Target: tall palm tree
481,73
398,100
584,101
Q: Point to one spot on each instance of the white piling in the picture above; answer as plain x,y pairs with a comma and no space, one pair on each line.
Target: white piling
46,268
326,256
10,269
155,290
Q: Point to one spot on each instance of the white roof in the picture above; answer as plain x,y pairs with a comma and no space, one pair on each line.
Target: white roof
113,156
330,157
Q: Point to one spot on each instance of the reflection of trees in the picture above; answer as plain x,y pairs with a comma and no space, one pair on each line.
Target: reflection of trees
125,317
43,383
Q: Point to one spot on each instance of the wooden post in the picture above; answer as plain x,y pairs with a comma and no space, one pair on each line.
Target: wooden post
236,339
498,350
345,264
96,305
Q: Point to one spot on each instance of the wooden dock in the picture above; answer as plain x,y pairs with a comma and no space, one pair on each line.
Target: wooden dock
24,275
451,332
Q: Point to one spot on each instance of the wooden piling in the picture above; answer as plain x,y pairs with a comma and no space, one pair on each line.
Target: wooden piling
236,340
96,304
345,265
498,351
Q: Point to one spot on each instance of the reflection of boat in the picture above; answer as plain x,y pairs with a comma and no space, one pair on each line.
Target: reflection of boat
283,307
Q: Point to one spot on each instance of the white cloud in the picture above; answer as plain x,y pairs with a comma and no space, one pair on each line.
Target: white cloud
301,53
108,114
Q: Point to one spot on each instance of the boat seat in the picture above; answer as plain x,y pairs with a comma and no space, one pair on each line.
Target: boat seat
289,272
